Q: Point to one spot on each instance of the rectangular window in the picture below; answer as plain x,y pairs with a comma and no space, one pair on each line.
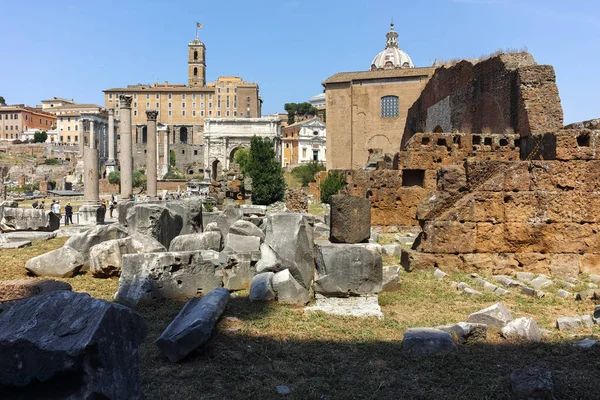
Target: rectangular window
201,105
193,105
170,113
183,95
182,105
170,96
147,105
194,113
210,113
135,104
389,106
158,95
219,113
227,91
235,113
110,95
134,112
183,113
235,90
117,113
202,113
77,127
135,95
228,113
210,96
68,139
147,96
169,105
157,105
219,90
202,96
68,128
304,152
209,105
194,96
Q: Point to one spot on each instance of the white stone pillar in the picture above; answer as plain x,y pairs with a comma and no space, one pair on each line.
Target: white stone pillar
111,162
126,160
92,143
151,152
81,136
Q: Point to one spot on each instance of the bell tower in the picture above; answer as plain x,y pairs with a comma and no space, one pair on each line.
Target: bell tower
196,63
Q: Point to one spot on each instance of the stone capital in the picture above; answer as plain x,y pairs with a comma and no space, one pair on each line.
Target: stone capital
125,100
111,111
151,115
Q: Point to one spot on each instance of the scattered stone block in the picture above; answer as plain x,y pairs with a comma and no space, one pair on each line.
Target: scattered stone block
63,262
586,343
227,218
428,341
288,290
245,228
321,230
594,277
392,250
563,294
541,282
251,209
592,285
490,287
439,274
350,219
191,214
523,328
566,284
391,278
93,343
495,316
472,291
237,271
261,288
269,261
85,240
32,236
14,244
154,220
194,325
525,276
348,270
574,323
170,275
362,306
532,382
29,219
241,244
212,227
462,285
210,240
585,295
466,332
501,292
290,236
527,291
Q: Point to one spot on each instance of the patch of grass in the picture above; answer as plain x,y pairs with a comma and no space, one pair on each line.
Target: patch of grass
258,346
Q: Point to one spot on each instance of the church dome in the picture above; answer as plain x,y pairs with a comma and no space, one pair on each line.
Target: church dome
392,56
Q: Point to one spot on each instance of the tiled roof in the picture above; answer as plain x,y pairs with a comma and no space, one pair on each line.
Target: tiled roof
379,74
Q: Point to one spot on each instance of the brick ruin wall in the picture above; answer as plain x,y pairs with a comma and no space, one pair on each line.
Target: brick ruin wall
500,216
508,93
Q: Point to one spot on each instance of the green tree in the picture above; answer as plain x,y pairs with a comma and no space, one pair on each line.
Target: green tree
139,178
52,161
306,173
2,101
241,158
331,185
40,137
114,178
268,185
172,159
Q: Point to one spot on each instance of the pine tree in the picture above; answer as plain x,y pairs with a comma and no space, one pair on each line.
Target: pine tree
268,185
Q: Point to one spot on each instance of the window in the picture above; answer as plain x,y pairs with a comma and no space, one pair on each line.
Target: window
135,112
235,113
182,105
169,105
76,138
195,54
304,152
194,96
61,118
135,104
210,113
183,96
147,105
147,96
193,105
389,106
202,96
201,105
209,105
227,91
194,113
110,95
195,152
135,96
219,113
77,127
170,96
210,96
219,90
117,113
157,105
158,95
195,71
68,138
68,128
413,177
287,145
170,113
228,113
183,113
315,155
202,113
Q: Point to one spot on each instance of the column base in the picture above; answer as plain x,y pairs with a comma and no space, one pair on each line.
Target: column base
111,167
92,214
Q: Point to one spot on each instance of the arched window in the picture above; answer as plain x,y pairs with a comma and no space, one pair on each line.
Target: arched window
389,106
195,71
195,55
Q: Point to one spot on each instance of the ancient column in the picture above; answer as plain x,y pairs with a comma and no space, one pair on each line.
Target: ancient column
92,143
81,136
91,211
151,152
126,160
111,137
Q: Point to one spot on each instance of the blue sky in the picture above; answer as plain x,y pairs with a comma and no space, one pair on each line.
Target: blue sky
75,49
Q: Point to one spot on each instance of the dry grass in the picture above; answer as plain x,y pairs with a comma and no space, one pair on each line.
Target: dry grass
440,62
258,346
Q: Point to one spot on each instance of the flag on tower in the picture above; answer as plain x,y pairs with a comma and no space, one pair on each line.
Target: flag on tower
198,25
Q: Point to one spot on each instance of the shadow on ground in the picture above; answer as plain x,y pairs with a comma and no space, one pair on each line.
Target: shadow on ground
239,364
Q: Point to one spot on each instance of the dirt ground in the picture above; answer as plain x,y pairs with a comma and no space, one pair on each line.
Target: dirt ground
258,346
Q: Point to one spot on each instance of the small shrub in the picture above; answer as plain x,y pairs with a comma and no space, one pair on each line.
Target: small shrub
114,178
306,173
51,161
331,185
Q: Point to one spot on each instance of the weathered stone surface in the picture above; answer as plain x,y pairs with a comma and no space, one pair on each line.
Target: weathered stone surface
363,306
451,178
288,289
541,282
523,328
252,209
19,289
154,220
29,219
350,219
531,383
597,312
472,291
227,218
212,227
321,230
32,236
123,208
466,332
563,294
197,241
190,211
170,275
262,287
245,228
439,274
194,325
586,343
63,262
237,271
494,316
574,323
269,261
18,244
241,244
391,278
290,236
348,270
76,347
106,258
392,250
84,241
427,341
525,276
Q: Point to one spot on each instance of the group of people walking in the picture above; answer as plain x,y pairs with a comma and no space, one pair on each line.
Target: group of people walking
55,208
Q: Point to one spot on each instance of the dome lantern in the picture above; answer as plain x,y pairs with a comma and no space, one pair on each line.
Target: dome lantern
392,57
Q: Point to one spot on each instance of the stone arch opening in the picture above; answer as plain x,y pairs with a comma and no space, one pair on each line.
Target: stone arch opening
195,71
216,170
183,135
145,135
232,154
195,58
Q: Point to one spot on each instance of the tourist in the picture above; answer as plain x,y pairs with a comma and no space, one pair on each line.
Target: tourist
111,207
68,214
42,205
35,204
55,208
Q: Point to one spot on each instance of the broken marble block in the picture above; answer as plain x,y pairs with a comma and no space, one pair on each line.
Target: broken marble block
288,290
194,325
63,262
210,240
495,316
391,278
466,332
523,328
169,275
262,287
574,323
428,341
76,347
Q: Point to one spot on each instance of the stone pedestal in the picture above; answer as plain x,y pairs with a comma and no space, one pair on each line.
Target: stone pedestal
91,214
